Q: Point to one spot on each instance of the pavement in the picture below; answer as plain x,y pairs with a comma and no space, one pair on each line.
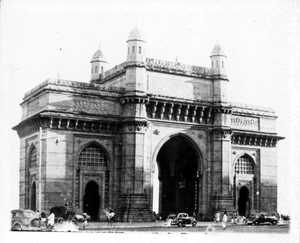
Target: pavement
164,225
97,225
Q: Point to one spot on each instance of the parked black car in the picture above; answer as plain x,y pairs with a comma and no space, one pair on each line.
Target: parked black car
183,219
262,219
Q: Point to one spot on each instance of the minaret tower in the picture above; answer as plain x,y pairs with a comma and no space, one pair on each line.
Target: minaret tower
135,47
135,70
98,65
218,63
218,59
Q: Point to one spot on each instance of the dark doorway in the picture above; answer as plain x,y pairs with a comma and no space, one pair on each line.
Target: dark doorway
243,201
177,165
33,197
91,200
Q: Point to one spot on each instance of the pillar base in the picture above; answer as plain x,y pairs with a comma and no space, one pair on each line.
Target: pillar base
134,208
222,203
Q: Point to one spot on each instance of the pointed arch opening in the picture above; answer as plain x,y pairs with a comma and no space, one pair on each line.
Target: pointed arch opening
244,182
178,170
91,200
243,201
32,157
93,179
33,197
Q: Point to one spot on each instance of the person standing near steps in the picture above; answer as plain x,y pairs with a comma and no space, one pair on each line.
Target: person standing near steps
224,220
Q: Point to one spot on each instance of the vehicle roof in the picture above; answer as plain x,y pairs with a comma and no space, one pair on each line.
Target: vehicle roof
22,210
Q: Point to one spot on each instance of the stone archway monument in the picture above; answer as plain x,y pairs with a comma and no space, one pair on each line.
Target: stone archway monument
130,109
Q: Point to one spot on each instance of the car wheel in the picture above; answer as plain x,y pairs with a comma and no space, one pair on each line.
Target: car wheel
17,227
36,223
60,220
194,224
180,224
274,222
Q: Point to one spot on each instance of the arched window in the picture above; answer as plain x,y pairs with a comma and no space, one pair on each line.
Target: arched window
133,49
32,157
244,165
140,50
93,155
96,69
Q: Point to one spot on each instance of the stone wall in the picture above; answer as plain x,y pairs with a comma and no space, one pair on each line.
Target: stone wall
179,86
268,172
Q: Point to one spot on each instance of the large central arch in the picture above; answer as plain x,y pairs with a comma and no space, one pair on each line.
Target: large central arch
178,165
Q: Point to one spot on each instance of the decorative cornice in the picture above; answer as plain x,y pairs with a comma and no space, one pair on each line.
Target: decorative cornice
57,122
72,86
255,139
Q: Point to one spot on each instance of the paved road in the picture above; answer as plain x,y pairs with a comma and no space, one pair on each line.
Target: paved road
201,228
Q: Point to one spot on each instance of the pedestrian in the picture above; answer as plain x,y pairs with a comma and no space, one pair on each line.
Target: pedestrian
85,220
217,217
224,220
110,214
51,219
43,219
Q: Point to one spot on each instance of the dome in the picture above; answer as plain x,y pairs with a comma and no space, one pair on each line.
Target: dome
98,56
217,51
135,34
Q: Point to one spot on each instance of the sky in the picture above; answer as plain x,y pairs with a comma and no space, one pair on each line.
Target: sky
49,39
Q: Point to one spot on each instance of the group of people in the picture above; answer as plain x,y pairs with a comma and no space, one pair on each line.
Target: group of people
47,222
224,219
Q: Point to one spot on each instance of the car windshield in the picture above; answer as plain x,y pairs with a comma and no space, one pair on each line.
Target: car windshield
182,215
28,214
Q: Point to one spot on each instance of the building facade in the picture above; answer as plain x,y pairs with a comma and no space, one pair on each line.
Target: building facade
146,136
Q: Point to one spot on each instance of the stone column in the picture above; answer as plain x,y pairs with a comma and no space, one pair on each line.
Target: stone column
134,202
221,159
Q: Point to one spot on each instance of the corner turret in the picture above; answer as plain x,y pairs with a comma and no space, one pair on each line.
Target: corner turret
98,65
135,46
218,60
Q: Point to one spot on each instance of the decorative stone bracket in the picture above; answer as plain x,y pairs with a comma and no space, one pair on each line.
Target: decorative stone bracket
135,126
255,139
184,111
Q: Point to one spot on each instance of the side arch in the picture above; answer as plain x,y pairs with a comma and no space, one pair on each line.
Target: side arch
88,167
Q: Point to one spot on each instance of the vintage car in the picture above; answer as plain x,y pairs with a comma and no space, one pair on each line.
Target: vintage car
183,219
25,219
170,219
262,219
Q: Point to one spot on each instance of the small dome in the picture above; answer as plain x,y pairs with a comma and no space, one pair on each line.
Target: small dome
98,56
217,51
135,34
